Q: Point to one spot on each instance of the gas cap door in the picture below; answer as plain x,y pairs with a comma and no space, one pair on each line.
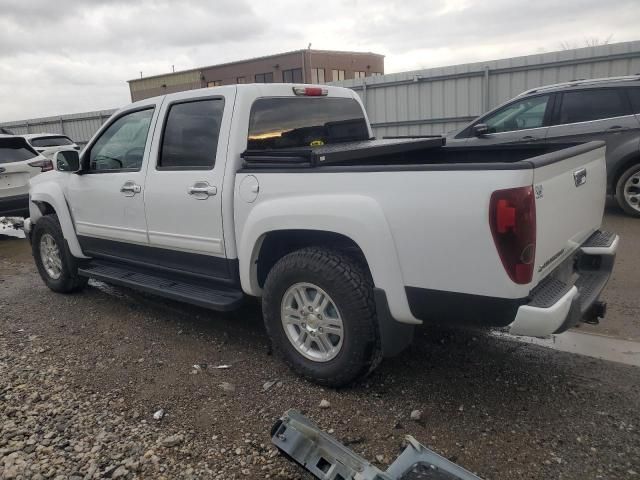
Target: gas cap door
249,188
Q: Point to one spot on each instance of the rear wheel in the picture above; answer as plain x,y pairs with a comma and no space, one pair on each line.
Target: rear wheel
57,267
320,314
628,191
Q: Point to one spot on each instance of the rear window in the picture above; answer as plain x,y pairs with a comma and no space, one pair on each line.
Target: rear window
51,141
305,121
634,95
15,150
589,105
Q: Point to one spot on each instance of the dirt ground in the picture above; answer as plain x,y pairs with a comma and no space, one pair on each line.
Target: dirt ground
82,375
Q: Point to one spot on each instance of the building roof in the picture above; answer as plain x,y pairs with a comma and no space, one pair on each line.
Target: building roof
264,57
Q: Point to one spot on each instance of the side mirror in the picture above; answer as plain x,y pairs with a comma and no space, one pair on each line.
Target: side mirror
67,161
480,130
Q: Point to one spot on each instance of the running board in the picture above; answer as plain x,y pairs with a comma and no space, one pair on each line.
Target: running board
220,299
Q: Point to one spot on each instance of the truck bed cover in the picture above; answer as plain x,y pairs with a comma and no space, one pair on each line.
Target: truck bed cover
336,153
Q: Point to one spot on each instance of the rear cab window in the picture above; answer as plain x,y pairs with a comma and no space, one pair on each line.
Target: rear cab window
15,150
290,122
57,141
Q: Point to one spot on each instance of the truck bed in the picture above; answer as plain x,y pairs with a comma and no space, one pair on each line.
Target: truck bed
411,152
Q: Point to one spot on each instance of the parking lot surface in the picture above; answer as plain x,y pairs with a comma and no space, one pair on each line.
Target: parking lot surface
81,377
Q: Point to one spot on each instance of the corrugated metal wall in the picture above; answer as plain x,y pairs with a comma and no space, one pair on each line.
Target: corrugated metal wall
80,127
432,101
439,100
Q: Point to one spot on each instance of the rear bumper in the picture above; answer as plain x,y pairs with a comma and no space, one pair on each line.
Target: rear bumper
15,206
562,301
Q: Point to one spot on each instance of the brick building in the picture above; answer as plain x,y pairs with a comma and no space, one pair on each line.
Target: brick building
300,66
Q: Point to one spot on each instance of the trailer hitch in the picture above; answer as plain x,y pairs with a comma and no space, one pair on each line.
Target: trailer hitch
327,459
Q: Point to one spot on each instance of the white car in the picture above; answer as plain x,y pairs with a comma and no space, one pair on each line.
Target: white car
49,143
278,191
18,164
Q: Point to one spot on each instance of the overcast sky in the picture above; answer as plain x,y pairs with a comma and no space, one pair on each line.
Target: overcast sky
68,56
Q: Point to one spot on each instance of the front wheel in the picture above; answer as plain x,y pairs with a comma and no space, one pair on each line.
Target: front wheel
57,267
628,191
319,311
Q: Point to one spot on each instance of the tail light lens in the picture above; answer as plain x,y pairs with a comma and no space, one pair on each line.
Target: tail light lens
44,165
512,217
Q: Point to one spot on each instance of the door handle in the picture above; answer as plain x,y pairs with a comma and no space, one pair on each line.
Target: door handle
617,128
529,138
130,189
202,190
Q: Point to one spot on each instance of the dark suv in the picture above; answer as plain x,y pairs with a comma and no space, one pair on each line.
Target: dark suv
578,111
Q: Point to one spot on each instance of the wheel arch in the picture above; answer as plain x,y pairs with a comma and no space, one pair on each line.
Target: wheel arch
48,198
352,222
625,164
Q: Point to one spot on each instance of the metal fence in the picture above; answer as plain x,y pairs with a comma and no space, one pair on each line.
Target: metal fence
426,102
439,100
80,127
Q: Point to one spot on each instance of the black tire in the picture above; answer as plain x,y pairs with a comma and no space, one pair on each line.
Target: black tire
69,281
622,202
350,287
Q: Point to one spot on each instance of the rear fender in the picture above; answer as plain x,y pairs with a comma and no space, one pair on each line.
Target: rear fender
357,217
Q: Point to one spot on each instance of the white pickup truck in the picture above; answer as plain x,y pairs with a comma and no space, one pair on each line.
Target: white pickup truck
280,192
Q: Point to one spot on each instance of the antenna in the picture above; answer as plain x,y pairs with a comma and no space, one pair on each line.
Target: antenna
173,68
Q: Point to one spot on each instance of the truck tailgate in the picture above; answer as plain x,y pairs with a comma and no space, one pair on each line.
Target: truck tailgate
570,197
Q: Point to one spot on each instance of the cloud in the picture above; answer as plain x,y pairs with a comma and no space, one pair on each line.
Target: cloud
73,55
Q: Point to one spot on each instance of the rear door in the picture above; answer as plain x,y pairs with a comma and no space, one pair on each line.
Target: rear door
521,121
183,194
596,114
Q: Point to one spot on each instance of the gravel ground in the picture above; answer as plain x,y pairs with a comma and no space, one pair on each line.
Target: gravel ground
81,377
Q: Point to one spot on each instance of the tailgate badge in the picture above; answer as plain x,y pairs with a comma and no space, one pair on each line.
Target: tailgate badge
580,177
539,191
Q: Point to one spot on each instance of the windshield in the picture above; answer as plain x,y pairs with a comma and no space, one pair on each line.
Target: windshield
51,141
307,121
15,150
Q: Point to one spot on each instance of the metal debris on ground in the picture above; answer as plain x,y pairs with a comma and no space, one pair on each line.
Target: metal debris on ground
328,459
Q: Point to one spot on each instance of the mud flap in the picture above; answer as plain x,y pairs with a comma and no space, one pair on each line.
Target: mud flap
328,459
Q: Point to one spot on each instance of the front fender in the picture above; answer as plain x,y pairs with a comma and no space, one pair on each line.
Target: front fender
357,217
51,193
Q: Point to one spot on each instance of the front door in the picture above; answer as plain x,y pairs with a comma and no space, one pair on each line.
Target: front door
106,198
183,194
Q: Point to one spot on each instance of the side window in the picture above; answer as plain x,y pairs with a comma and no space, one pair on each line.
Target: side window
121,146
190,137
589,105
527,113
634,96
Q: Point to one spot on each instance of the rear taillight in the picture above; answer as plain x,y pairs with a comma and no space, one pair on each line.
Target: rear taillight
44,165
310,91
512,217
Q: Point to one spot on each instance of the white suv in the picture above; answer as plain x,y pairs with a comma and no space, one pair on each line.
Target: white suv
18,163
49,143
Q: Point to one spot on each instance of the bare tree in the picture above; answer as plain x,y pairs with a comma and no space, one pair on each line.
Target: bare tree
588,42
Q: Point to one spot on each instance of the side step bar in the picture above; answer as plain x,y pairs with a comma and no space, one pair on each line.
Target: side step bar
220,299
